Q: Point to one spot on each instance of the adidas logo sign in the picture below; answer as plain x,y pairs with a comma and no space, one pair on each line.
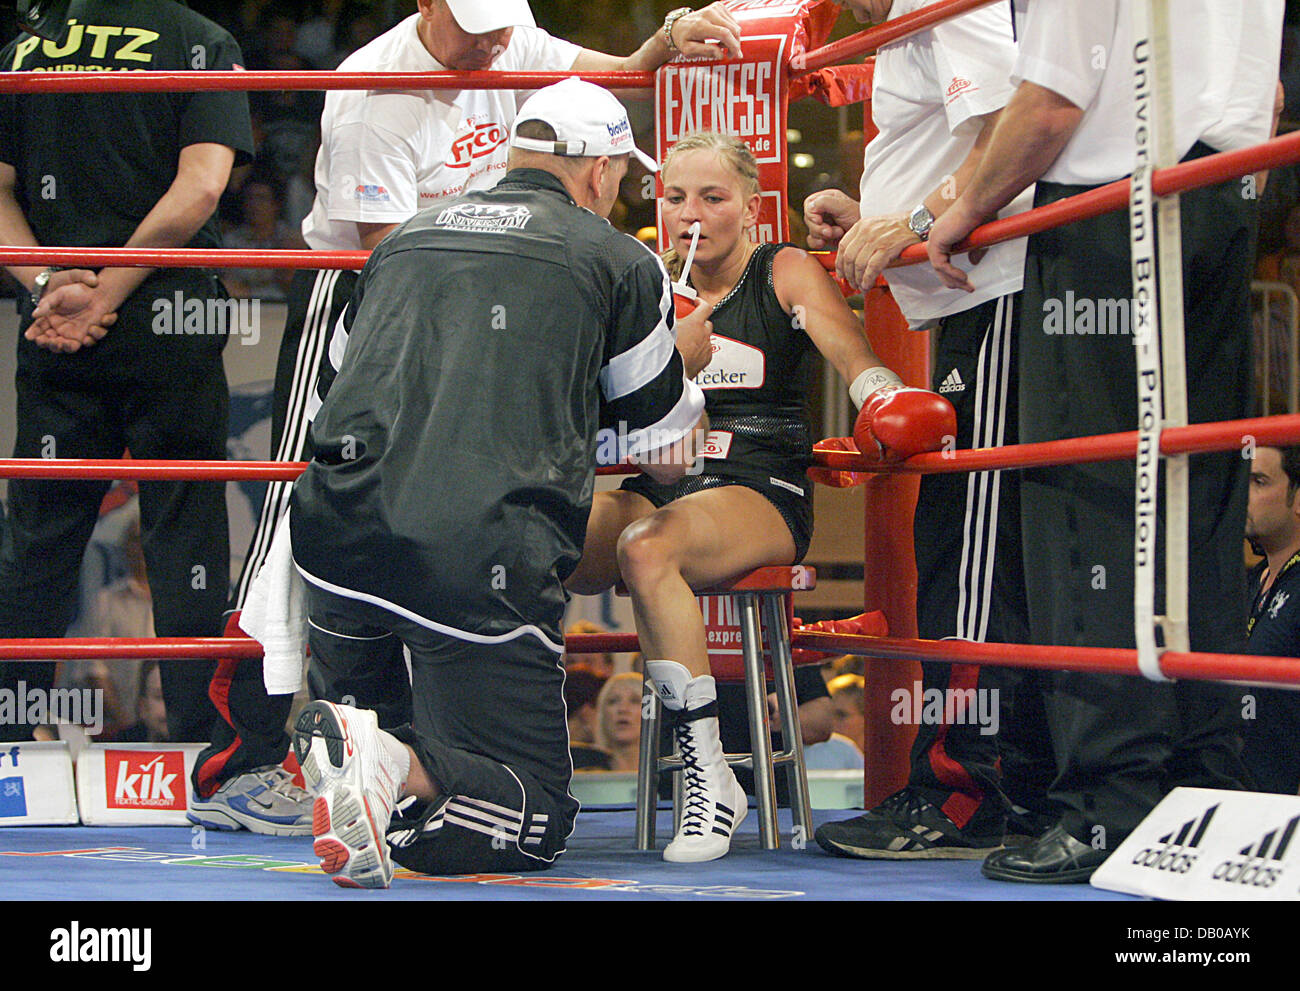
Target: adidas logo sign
1177,853
952,383
1261,864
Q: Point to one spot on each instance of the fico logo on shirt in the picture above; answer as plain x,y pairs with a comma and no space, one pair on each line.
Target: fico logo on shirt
483,140
958,86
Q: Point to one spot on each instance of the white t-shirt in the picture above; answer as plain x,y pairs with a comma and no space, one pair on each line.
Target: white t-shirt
926,91
387,154
1225,55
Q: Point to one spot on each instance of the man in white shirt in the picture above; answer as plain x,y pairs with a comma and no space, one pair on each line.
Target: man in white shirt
935,101
1122,742
384,156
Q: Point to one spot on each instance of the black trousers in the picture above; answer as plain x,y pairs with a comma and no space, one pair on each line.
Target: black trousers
160,396
1272,740
970,585
1122,742
490,728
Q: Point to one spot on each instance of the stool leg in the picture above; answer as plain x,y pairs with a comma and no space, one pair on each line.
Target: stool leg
751,641
647,769
788,706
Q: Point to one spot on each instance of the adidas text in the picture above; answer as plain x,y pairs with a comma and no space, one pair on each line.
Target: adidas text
952,383
1177,853
1257,875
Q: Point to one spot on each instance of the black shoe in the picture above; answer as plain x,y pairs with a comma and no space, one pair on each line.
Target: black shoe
1055,858
906,826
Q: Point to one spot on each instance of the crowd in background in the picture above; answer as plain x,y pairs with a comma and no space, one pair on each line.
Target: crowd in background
604,697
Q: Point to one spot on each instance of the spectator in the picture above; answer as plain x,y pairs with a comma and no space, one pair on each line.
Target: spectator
618,720
1272,728
601,664
300,187
847,702
262,229
150,710
357,26
315,40
122,609
846,664
582,688
838,753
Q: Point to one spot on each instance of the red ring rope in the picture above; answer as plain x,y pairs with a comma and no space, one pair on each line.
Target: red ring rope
641,83
1207,171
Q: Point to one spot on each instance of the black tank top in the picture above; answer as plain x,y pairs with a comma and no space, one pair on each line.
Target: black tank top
755,385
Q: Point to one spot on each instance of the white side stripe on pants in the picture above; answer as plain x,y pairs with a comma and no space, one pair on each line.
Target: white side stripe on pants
983,489
292,441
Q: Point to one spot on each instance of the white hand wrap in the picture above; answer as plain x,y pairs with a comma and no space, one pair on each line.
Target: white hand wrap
869,381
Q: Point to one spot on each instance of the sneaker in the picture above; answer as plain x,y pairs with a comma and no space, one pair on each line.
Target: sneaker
264,800
905,826
356,782
713,802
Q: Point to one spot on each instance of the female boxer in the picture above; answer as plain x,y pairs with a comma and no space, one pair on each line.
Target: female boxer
749,502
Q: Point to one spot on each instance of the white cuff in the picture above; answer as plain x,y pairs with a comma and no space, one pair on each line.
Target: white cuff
869,381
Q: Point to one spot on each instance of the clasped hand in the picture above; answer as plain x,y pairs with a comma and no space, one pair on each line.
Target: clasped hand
73,313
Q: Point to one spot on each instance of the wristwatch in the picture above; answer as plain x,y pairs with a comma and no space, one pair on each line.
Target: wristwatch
920,221
670,22
38,288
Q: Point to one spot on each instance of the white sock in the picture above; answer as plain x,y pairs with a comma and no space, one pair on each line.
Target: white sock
400,755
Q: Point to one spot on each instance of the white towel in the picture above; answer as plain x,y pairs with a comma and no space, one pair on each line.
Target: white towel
275,615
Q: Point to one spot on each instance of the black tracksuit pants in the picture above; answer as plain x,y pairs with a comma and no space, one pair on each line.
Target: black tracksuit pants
160,396
1122,742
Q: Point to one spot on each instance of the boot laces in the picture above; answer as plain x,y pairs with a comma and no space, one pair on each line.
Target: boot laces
697,807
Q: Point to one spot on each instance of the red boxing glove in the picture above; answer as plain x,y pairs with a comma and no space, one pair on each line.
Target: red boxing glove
898,421
872,624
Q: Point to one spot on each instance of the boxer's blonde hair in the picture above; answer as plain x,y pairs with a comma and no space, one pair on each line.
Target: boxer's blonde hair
734,153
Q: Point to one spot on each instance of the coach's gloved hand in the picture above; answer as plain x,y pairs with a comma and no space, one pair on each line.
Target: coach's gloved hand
896,421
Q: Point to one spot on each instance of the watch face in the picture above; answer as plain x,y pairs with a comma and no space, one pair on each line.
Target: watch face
921,221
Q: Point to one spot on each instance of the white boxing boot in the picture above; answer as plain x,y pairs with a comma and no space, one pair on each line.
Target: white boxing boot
713,803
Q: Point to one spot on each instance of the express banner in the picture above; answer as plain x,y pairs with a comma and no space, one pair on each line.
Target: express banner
746,97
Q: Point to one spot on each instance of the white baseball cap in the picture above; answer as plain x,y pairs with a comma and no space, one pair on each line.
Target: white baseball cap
482,16
588,120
